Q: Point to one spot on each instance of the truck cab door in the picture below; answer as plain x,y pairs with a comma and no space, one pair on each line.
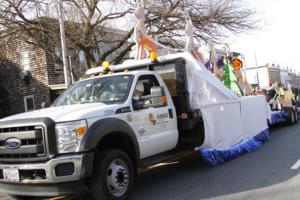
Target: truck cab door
155,124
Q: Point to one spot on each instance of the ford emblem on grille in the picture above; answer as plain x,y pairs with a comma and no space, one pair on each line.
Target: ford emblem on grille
13,143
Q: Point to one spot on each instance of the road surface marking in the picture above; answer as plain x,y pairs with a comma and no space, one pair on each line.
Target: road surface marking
296,165
58,198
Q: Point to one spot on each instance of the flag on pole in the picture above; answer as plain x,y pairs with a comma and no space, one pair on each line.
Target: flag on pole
229,78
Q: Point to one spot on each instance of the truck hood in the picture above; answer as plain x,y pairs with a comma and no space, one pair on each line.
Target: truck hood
69,113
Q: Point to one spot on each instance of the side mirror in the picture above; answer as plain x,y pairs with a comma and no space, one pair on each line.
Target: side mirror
155,99
156,96
45,105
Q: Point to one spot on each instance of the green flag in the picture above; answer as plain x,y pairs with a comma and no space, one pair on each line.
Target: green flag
229,78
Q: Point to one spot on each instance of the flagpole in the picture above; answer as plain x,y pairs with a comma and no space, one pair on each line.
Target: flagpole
256,70
63,44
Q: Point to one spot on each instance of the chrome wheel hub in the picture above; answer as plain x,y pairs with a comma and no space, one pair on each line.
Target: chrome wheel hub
117,177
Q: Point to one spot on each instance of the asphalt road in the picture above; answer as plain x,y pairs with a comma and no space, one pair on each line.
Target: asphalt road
264,174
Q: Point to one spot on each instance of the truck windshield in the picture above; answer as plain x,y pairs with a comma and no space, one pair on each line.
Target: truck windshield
108,90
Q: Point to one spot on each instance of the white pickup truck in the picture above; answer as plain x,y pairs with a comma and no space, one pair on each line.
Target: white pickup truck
99,131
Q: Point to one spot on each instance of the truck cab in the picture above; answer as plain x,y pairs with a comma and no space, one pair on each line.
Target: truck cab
99,131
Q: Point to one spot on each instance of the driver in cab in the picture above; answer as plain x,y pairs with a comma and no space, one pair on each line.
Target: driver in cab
138,93
139,90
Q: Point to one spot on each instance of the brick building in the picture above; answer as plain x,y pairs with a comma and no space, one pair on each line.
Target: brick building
28,76
31,78
265,75
274,73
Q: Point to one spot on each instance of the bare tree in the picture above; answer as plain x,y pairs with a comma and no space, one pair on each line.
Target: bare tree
87,23
213,19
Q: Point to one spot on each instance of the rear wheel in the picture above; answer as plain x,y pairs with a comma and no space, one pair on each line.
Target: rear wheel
292,118
191,138
114,175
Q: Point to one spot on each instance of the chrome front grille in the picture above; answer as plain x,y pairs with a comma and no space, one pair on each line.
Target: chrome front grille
32,143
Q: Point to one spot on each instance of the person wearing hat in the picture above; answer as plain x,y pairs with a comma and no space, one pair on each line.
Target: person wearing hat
139,90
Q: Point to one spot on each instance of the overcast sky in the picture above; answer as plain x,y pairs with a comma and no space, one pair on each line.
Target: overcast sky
278,41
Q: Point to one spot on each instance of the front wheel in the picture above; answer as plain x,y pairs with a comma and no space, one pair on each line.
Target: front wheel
113,176
18,197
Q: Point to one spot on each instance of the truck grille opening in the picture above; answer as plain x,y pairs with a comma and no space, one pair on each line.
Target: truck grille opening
32,143
1,174
35,174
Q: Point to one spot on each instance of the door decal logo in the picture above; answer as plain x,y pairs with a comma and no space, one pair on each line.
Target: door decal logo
163,120
152,118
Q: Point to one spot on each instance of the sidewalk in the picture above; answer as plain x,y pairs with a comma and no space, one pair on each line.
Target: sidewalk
4,197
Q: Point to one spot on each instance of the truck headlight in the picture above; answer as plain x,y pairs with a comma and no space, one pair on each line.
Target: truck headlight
69,135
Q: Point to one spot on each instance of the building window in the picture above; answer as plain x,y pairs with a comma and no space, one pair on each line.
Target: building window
81,59
29,103
24,61
58,54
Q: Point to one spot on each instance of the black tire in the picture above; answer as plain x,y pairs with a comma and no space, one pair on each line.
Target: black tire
292,118
17,197
113,176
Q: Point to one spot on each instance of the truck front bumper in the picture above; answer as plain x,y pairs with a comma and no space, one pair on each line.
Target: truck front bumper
59,176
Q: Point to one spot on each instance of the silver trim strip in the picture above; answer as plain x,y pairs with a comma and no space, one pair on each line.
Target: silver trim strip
49,168
21,135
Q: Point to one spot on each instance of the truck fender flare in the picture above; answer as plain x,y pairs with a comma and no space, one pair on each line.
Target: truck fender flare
103,127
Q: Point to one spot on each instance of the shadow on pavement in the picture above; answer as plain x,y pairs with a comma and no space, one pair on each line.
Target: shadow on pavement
191,178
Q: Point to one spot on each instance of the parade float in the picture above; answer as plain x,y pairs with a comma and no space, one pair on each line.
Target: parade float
121,118
234,122
283,105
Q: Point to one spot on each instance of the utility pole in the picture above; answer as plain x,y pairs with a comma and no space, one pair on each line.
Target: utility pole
63,43
257,76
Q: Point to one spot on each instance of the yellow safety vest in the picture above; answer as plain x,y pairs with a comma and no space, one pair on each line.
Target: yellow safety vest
281,91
